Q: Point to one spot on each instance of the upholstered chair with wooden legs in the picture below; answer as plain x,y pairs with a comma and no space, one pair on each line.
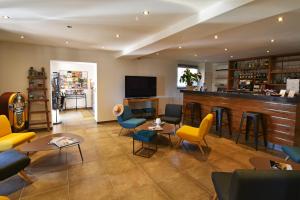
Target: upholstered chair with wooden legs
196,135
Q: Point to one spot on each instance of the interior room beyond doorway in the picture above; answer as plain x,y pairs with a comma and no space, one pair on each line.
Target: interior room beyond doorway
73,87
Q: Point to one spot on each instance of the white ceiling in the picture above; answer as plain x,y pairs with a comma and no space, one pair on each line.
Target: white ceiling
245,27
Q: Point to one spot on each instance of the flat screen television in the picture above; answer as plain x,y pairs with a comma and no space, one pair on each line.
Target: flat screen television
140,86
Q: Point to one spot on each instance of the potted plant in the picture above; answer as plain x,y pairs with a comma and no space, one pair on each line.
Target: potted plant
189,78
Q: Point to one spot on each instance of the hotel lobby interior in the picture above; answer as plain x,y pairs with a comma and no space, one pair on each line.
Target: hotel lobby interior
149,99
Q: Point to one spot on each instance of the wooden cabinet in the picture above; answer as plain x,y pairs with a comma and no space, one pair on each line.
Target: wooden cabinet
143,107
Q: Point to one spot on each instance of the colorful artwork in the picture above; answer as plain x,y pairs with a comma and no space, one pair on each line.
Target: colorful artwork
73,80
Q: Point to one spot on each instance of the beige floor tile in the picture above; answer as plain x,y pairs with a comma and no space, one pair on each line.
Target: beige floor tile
57,194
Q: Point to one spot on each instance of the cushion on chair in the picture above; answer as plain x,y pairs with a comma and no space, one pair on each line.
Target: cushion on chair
12,162
17,138
171,120
188,133
4,198
292,152
222,181
144,135
132,123
5,127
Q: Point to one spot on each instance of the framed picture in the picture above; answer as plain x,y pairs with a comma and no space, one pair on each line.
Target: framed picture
282,93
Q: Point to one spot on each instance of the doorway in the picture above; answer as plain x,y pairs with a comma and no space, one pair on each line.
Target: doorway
73,90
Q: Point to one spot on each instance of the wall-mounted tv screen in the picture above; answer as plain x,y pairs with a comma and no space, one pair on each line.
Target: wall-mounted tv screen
140,86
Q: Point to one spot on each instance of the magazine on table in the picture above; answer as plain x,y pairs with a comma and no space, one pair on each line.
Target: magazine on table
280,166
63,141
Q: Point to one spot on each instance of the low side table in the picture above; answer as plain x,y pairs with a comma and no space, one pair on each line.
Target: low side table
261,163
42,144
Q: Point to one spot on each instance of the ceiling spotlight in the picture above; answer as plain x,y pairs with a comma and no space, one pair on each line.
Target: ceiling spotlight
102,47
272,40
146,12
117,35
5,17
180,47
157,54
22,37
231,56
280,19
216,37
69,26
196,55
226,49
268,51
66,42
137,18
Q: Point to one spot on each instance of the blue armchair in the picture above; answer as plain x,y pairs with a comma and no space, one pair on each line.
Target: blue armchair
127,121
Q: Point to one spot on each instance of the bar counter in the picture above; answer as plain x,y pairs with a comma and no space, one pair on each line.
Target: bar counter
282,115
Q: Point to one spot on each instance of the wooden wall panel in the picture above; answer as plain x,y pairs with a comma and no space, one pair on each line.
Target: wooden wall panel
281,119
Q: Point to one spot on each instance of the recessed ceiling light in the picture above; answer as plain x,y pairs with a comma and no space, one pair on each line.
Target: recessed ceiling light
22,37
226,49
66,42
102,47
5,17
146,12
216,37
137,18
280,19
157,54
272,40
196,55
117,35
231,56
180,47
268,51
69,26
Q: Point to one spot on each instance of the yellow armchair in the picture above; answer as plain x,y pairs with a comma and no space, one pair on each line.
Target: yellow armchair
4,198
196,135
9,139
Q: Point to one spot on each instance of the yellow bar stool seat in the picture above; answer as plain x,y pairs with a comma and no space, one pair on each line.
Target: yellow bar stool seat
196,135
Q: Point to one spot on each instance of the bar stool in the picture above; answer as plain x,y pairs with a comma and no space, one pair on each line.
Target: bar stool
256,119
195,109
219,119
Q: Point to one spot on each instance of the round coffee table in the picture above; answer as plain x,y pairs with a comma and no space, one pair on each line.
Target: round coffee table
261,163
167,129
42,144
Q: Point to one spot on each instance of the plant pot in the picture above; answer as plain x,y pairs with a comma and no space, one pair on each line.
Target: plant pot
190,87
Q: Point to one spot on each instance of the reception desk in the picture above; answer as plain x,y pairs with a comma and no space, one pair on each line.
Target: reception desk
282,115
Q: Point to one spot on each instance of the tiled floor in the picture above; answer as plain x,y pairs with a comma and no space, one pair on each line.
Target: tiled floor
110,171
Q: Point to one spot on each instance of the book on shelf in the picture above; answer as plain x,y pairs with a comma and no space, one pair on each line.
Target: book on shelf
63,141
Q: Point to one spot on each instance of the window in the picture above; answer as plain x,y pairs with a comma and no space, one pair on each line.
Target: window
180,71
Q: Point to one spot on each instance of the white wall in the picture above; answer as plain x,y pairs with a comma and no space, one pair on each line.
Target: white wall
16,58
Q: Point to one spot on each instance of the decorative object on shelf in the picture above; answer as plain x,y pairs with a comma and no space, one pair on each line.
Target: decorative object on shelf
37,93
189,78
14,106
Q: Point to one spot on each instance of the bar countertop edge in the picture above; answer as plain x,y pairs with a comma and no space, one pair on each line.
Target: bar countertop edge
294,100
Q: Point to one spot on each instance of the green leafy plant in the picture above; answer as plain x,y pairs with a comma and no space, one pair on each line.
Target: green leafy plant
188,77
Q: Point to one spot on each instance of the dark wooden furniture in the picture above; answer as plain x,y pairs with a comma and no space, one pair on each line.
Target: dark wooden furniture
146,111
168,129
38,100
266,72
192,113
42,144
282,115
219,112
257,119
261,163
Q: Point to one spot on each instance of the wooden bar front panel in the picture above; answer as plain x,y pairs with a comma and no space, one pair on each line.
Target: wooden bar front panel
281,118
